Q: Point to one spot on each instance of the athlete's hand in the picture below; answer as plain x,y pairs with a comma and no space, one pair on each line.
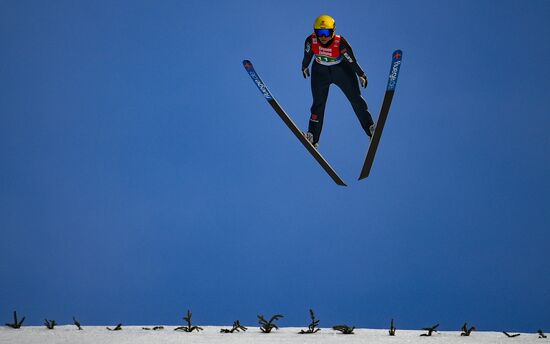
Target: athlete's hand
364,80
305,72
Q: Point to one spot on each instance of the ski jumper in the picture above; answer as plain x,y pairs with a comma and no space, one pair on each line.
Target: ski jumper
334,64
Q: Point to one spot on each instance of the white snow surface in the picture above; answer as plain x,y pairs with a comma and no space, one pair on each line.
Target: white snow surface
211,335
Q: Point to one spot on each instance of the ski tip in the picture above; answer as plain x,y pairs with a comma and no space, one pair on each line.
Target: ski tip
397,55
247,63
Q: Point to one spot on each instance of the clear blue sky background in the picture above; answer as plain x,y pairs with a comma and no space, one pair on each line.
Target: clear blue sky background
142,173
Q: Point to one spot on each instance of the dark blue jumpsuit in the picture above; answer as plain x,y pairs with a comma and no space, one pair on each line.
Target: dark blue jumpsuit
344,75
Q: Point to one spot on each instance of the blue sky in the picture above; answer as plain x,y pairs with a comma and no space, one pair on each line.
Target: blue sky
142,173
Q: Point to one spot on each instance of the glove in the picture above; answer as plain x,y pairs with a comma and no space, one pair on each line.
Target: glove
364,80
305,72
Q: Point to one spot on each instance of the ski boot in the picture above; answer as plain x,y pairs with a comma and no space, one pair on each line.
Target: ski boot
309,137
371,129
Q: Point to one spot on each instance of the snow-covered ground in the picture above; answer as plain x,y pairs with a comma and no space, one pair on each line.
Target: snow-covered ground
211,335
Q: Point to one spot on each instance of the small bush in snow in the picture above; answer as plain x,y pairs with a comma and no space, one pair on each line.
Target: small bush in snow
267,326
314,323
189,327
236,327
466,331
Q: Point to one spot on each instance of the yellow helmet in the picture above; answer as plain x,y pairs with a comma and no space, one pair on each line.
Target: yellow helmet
325,22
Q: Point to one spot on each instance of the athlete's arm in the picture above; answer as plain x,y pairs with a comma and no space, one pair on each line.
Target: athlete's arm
349,57
308,55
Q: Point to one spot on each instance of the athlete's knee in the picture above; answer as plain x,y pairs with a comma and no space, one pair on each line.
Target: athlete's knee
315,118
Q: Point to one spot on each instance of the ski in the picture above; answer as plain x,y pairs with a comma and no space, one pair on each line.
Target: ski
388,96
290,123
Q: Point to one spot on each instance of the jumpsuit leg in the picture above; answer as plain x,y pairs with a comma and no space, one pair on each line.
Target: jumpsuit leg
344,77
320,82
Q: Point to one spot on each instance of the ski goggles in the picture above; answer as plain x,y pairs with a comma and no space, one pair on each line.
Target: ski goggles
324,32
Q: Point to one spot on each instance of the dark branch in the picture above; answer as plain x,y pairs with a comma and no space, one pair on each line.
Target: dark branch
392,329
16,324
430,330
511,335
117,328
50,324
77,324
345,329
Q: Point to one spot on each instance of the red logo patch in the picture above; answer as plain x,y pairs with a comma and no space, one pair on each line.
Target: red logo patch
313,117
